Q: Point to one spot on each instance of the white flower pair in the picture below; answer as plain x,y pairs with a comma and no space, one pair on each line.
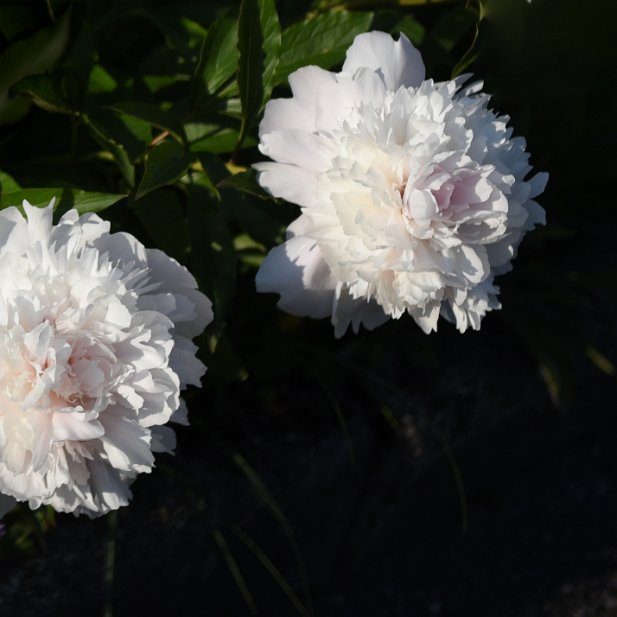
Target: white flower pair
413,198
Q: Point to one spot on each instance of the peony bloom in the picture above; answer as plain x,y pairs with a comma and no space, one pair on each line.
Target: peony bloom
413,193
95,346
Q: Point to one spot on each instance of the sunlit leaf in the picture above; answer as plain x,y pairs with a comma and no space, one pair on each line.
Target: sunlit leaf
219,58
8,184
83,201
321,40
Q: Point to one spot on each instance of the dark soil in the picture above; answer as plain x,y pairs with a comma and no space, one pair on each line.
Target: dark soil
479,499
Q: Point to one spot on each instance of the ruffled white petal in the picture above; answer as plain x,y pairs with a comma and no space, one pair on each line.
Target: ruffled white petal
398,63
414,193
94,349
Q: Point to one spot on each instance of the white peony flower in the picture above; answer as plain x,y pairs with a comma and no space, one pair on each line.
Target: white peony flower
413,193
95,346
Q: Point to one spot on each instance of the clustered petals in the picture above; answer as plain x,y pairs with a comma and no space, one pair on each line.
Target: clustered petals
95,347
414,194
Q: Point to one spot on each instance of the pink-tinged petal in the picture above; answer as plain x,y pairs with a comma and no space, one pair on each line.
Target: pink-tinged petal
398,62
94,349
75,427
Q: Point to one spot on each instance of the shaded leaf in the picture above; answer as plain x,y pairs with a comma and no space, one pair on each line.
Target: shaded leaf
246,182
133,134
153,115
259,40
213,257
165,163
39,52
45,91
164,218
117,150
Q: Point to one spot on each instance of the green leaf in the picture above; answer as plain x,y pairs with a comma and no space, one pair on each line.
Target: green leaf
219,58
83,201
218,139
321,40
8,184
453,27
259,40
414,30
154,116
45,91
132,134
246,182
100,81
164,218
39,52
165,163
117,150
213,258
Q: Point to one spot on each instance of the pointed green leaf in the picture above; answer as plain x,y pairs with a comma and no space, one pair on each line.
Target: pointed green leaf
246,182
83,201
164,218
320,40
8,184
117,150
165,163
219,58
45,91
39,52
154,116
259,40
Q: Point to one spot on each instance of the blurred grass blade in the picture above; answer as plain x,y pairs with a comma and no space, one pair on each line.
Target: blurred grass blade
470,55
271,503
458,480
600,361
110,563
340,416
273,570
232,564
